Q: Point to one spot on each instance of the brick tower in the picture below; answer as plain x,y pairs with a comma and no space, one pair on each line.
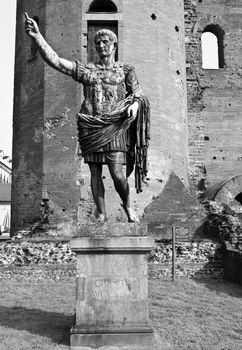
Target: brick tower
45,161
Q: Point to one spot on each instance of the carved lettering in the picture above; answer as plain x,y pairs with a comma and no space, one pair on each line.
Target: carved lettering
112,289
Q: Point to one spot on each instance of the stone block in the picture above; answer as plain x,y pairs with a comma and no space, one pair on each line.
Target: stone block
112,290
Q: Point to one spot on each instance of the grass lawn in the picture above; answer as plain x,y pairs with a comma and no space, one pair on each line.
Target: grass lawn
198,315
189,314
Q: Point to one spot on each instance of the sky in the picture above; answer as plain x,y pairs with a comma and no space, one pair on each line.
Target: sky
7,40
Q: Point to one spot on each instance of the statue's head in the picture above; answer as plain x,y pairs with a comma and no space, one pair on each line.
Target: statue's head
106,42
112,36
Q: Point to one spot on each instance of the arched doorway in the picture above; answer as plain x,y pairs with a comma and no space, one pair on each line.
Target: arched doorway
228,192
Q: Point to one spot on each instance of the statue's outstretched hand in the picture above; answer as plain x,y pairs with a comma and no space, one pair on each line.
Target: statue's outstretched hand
31,26
132,110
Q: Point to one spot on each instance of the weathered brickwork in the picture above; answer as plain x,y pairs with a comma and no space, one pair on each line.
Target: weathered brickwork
44,141
214,96
54,259
28,112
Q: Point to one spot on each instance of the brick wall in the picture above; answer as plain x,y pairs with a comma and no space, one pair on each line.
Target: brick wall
45,105
28,113
214,96
61,103
54,259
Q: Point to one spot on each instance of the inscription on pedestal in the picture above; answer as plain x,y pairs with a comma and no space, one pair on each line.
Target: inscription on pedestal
105,288
112,292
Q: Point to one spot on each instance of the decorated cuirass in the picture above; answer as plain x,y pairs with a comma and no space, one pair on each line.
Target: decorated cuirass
104,87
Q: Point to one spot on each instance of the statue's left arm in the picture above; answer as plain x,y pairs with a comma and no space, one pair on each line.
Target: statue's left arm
140,134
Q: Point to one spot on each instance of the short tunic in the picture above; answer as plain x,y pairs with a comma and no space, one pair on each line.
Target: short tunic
104,87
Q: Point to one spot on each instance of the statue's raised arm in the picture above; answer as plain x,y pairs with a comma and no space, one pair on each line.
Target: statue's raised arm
48,54
113,123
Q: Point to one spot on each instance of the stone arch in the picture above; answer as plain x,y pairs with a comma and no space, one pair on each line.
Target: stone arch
87,4
102,6
227,191
218,31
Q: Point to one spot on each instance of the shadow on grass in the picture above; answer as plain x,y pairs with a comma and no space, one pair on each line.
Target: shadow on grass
53,325
218,285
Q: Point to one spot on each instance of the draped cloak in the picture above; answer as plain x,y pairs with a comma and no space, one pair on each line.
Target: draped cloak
103,125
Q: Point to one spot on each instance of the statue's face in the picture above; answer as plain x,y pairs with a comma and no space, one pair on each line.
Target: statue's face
104,46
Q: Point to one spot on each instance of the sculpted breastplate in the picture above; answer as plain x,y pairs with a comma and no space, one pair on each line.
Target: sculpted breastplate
103,88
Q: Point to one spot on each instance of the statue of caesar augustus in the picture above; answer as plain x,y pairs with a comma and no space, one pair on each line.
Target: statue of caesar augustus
113,123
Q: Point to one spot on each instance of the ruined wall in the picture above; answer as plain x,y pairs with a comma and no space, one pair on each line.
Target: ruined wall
54,259
214,96
151,37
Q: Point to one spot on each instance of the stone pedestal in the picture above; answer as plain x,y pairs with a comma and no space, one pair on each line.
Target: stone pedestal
112,290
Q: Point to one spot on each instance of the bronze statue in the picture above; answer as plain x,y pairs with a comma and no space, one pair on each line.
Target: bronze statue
113,123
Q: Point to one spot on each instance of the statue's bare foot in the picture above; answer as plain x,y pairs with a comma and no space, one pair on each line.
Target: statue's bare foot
132,217
101,218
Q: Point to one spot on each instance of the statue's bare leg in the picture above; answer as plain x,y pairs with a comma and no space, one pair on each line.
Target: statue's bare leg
122,187
97,188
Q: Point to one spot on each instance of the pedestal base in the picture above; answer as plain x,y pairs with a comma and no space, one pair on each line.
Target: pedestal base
117,341
112,291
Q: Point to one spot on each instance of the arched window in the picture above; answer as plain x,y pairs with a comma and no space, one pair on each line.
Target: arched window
213,47
102,6
209,51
